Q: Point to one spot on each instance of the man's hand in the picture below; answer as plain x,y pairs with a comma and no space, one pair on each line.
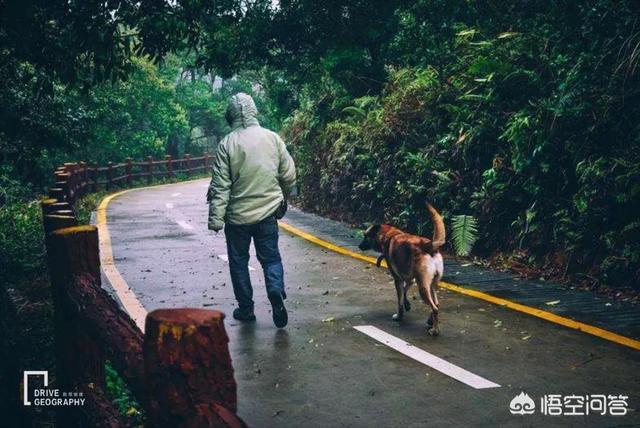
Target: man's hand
214,225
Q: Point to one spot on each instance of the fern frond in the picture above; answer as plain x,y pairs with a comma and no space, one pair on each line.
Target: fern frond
355,111
464,233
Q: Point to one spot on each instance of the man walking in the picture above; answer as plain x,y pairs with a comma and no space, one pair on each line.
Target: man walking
253,175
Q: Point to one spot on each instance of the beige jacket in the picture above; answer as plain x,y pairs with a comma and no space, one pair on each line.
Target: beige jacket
252,170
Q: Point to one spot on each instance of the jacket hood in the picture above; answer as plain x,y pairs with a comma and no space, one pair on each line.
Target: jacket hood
241,111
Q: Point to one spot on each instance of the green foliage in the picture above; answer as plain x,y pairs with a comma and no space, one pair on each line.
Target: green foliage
464,233
22,249
135,118
121,396
526,114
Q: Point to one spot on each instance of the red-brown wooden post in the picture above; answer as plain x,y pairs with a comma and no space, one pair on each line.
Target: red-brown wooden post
52,222
95,173
72,257
63,181
149,169
57,193
169,166
129,170
109,175
85,178
187,158
188,370
70,187
55,207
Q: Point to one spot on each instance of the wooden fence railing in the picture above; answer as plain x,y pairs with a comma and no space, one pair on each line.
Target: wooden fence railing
179,369
73,180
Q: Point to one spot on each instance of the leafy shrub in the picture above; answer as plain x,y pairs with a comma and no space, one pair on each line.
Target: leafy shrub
532,124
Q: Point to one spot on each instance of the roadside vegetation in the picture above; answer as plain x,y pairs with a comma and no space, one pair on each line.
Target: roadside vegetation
520,121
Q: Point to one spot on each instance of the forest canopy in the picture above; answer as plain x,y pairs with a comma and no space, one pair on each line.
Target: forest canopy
524,115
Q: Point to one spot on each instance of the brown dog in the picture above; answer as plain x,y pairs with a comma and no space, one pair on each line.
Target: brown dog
410,258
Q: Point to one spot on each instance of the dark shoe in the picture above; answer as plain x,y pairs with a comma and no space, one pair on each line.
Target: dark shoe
243,315
280,316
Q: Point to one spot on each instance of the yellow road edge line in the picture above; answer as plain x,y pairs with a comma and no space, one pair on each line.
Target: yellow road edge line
539,313
127,297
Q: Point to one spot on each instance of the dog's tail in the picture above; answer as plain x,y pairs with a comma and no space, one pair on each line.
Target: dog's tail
439,233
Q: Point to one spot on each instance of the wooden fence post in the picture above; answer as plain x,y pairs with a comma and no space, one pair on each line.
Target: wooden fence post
109,175
73,256
187,158
57,193
70,188
129,171
94,173
188,370
169,166
149,169
206,162
52,222
85,178
46,205
54,207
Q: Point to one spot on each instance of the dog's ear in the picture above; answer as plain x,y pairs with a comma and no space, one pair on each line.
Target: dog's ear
372,230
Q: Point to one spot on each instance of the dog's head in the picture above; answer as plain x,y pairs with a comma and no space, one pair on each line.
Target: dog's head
370,239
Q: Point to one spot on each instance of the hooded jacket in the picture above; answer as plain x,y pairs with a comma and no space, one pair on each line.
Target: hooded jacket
252,171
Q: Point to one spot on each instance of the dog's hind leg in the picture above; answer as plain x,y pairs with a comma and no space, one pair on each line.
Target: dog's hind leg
434,293
407,304
425,282
399,283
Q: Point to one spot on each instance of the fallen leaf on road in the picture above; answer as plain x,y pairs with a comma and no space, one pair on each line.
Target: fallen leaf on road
497,323
329,319
552,303
325,293
526,338
278,412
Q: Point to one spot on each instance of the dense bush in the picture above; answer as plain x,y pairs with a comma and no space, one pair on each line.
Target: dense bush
532,125
22,248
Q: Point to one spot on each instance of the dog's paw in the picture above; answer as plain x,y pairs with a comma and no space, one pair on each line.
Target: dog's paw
433,331
407,305
397,317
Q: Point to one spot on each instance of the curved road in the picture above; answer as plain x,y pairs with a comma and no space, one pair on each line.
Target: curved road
321,371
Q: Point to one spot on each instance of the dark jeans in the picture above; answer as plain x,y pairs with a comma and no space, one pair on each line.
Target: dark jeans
265,239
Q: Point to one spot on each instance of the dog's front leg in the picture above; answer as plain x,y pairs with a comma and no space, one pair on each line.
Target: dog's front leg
399,283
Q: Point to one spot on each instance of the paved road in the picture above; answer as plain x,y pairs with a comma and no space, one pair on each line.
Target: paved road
323,372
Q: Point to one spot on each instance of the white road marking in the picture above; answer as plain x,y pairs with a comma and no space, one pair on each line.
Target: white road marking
168,205
173,195
183,224
226,259
437,363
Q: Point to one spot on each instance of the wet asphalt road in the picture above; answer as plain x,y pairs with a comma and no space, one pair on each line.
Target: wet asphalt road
320,371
